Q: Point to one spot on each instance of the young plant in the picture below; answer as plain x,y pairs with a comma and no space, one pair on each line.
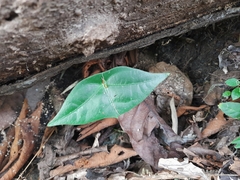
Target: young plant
107,94
232,109
235,93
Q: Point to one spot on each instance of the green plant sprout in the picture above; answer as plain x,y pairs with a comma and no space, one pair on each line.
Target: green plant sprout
106,95
235,93
232,109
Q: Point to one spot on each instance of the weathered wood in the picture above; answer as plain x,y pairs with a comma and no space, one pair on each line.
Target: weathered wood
45,37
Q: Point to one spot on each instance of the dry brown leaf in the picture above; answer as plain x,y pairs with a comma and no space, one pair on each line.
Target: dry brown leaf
182,109
34,119
29,129
62,159
47,134
91,67
101,159
117,154
139,123
9,105
6,139
214,125
235,166
208,164
201,151
16,146
26,151
96,127
205,158
120,59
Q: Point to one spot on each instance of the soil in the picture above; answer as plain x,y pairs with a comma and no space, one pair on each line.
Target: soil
194,53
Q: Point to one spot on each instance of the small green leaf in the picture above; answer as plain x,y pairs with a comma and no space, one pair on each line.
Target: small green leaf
232,109
233,82
235,93
236,142
107,94
226,94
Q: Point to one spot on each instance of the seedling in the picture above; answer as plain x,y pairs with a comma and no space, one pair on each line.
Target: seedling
232,109
107,94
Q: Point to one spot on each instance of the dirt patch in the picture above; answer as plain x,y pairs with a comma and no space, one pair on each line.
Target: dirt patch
196,52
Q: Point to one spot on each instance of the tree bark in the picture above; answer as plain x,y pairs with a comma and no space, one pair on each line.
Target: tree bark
38,39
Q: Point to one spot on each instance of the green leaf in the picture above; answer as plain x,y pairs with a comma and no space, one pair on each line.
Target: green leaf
235,93
232,109
233,82
107,94
236,142
226,94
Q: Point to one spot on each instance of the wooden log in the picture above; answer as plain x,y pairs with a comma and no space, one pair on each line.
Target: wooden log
38,39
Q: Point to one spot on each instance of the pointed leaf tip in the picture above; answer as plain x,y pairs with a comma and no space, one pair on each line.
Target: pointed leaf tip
107,94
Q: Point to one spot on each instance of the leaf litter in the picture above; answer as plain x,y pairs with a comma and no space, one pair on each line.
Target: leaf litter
140,144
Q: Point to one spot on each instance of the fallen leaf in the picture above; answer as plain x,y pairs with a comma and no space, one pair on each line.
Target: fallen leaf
6,139
139,123
208,164
204,157
182,109
96,127
47,134
100,65
185,168
101,159
235,166
58,161
214,125
26,151
29,129
16,145
201,151
90,67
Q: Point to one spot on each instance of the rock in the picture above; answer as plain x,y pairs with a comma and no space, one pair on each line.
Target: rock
177,85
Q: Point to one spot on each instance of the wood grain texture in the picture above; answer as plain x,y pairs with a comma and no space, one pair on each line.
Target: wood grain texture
49,36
